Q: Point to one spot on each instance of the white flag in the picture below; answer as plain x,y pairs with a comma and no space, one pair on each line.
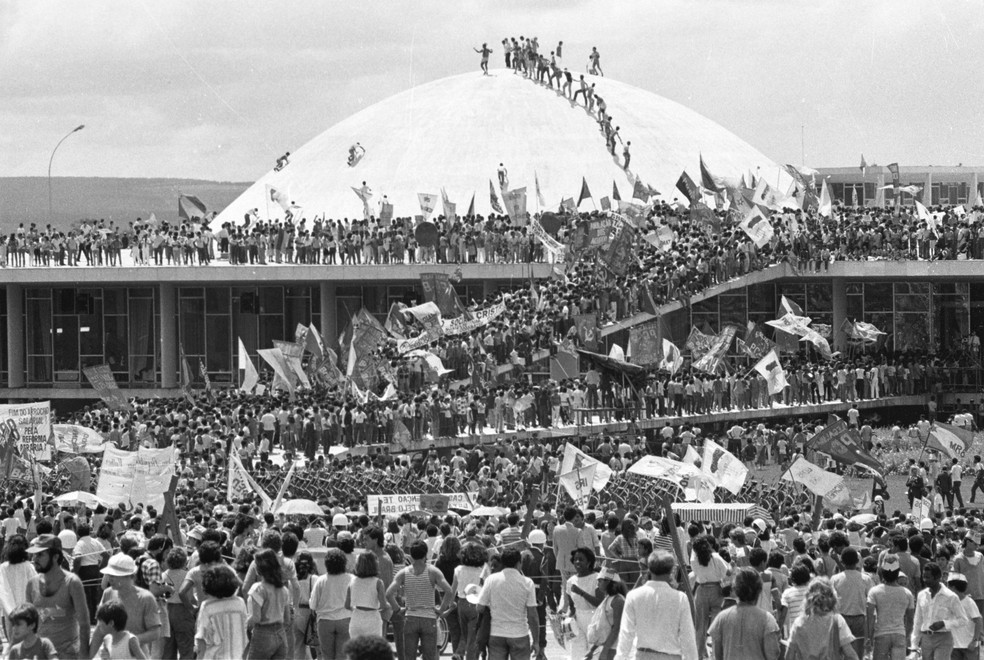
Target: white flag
251,378
283,488
427,203
241,484
578,483
723,467
826,206
772,372
819,482
574,458
672,358
758,227
617,353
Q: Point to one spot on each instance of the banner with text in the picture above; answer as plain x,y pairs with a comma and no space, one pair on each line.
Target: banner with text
101,378
136,477
394,505
29,424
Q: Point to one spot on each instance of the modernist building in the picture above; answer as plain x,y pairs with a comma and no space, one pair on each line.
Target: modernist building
938,185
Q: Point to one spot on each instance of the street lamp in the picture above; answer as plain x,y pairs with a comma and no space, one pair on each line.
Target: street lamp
50,160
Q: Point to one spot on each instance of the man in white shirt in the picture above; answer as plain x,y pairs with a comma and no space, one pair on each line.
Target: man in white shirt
657,616
511,599
938,613
966,637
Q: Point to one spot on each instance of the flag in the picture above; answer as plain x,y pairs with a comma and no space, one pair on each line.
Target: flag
819,482
787,306
705,216
826,205
640,190
758,228
281,369
241,485
844,445
539,195
493,200
617,353
283,487
672,358
385,213
450,208
698,343
710,361
190,207
567,205
723,467
578,483
585,193
250,377
615,194
864,165
587,329
401,434
619,255
515,201
772,372
186,377
707,180
951,440
315,345
575,459
894,169
363,193
279,196
606,204
756,343
439,290
644,343
471,208
427,203
687,186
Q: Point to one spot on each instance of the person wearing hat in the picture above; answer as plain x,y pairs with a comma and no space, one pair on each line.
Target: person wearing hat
532,567
967,636
143,613
889,607
59,597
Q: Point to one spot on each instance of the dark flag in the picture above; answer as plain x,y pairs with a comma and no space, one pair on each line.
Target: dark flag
617,197
190,207
640,190
619,255
585,193
705,216
439,290
843,444
471,207
493,200
687,186
706,179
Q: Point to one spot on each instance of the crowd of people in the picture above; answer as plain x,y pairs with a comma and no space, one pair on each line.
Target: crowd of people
236,579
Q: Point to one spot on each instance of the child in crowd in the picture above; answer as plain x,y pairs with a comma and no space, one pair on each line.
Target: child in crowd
119,643
23,632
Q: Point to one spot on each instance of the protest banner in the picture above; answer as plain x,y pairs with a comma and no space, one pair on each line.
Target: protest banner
574,458
667,469
723,466
717,349
578,483
30,426
644,345
394,505
136,477
75,439
818,481
101,378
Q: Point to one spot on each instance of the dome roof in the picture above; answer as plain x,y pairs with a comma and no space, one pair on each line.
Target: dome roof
453,133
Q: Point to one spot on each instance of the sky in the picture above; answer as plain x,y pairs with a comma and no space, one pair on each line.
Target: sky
217,90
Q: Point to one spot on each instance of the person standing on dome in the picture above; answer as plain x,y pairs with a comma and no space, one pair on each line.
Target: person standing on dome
626,156
503,176
485,51
568,79
595,59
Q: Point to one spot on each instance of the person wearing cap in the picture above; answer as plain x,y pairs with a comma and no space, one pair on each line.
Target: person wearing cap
143,613
967,636
59,597
889,611
938,613
657,616
970,564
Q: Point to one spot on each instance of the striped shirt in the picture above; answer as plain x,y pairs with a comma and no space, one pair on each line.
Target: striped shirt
418,592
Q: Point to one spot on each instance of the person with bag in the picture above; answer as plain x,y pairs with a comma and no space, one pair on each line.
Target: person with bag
820,633
602,635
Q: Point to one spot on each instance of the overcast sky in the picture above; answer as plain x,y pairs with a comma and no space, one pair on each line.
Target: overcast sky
219,89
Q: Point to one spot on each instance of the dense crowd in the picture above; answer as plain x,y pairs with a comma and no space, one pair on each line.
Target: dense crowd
108,580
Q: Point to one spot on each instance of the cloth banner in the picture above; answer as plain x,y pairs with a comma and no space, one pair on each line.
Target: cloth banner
711,360
429,316
756,344
396,324
661,239
644,343
658,467
278,363
101,378
819,482
591,233
550,244
723,467
395,505
587,330
438,289
844,445
758,228
619,256
698,343
75,439
515,201
457,326
575,459
578,483
672,358
136,477
250,376
28,425
427,203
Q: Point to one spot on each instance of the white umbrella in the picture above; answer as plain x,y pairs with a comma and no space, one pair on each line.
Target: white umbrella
301,508
864,518
80,497
488,511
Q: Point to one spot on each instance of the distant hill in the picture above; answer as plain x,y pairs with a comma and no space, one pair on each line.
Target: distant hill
25,199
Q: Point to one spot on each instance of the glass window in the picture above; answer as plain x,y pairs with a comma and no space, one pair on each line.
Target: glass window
854,288
911,332
709,306
878,297
271,300
762,298
217,300
733,309
819,298
115,343
191,314
66,347
218,356
114,301
38,313
90,334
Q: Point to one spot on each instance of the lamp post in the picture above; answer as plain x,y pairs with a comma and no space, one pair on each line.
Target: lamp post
51,160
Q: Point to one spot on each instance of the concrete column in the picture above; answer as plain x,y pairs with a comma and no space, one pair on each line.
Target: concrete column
879,193
927,196
16,350
329,317
840,313
169,336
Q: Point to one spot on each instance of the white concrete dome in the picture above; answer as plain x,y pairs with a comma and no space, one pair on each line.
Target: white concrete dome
454,132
